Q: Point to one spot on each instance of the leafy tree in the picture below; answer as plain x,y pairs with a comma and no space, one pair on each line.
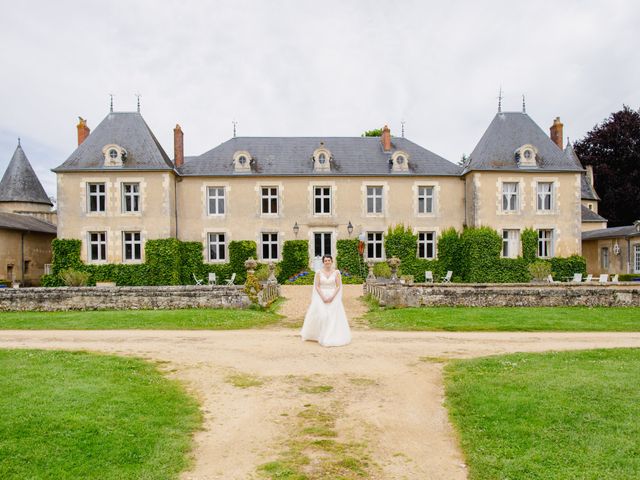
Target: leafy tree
613,149
377,132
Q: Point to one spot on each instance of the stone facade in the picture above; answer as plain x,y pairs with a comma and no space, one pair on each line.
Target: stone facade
505,295
122,298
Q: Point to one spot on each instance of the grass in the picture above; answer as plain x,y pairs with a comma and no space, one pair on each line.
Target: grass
188,319
244,380
69,415
508,319
569,415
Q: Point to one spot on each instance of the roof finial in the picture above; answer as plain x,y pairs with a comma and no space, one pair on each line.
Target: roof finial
111,104
138,97
18,141
234,128
500,100
524,106
402,122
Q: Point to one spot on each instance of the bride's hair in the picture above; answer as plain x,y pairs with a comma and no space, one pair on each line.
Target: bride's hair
327,256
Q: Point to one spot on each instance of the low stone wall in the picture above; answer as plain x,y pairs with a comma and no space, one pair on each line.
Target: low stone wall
505,295
123,298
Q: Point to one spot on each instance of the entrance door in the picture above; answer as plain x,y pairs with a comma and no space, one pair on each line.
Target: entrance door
321,244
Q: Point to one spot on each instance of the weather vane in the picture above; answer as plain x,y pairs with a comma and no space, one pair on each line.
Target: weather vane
111,104
234,128
500,100
138,97
402,122
524,106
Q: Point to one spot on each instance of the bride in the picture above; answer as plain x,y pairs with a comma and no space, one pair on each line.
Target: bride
326,321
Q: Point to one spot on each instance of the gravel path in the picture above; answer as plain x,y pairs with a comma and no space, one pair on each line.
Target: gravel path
385,393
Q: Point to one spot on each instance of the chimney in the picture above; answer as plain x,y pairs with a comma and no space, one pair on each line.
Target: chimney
386,139
556,132
83,130
178,146
590,174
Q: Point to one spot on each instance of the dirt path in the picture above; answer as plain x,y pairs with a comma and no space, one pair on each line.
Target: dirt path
379,389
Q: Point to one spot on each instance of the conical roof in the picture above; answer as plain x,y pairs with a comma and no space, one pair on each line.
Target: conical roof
20,183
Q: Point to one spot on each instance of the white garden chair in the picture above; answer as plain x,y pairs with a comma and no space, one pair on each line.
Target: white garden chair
614,279
212,278
198,280
447,277
589,278
230,281
428,276
550,279
577,278
604,278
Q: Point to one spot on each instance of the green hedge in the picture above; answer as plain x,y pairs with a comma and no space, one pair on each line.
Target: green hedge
349,261
563,268
295,259
449,254
529,239
480,255
628,277
240,252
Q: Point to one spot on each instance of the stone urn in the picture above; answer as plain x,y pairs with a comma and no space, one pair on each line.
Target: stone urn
394,263
370,276
250,264
272,273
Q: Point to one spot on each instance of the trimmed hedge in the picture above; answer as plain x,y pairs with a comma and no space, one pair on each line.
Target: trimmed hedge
449,253
295,259
480,255
529,239
563,268
239,252
349,261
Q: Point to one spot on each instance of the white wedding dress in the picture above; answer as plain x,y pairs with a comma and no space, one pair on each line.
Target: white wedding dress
326,323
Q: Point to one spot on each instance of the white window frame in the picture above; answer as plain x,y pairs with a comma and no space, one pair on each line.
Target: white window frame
545,243
542,196
98,195
219,200
373,242
267,194
100,243
217,240
133,243
636,249
269,243
133,196
320,193
510,243
426,197
323,243
424,242
510,199
374,196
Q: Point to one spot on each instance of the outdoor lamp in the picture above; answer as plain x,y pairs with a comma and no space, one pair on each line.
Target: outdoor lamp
296,229
350,228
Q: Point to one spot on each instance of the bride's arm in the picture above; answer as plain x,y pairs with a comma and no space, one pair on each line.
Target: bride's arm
338,286
316,285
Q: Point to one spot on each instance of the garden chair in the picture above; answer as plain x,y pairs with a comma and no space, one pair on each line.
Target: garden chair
604,278
550,279
577,278
230,281
447,277
589,278
614,279
212,278
198,280
428,276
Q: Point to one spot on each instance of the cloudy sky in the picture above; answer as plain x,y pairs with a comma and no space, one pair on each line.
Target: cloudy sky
316,68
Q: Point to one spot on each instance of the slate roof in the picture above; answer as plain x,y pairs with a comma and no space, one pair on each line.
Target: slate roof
128,130
293,156
14,221
613,232
588,192
591,216
507,132
20,183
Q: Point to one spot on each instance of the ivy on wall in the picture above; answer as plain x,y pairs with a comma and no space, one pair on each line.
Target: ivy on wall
349,261
295,259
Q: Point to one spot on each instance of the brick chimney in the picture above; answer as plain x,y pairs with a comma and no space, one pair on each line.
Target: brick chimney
386,139
178,146
83,130
556,132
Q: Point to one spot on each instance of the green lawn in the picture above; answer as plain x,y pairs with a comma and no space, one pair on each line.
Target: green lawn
570,415
192,319
74,415
511,319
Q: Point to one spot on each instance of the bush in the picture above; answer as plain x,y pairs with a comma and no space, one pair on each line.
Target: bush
295,259
348,259
540,270
628,277
65,255
529,239
74,278
163,261
449,253
512,270
565,267
382,270
480,255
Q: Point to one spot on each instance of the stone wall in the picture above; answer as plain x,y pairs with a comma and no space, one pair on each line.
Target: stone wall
132,298
505,295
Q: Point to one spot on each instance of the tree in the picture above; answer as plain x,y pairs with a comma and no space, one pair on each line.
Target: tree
613,149
376,132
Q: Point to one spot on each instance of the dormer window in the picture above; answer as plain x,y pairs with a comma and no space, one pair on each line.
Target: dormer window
400,161
526,156
321,159
114,155
242,161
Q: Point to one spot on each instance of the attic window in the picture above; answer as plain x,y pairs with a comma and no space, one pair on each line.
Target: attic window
321,159
242,161
114,155
399,161
526,156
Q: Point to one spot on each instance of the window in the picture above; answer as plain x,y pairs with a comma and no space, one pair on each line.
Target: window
98,246
545,243
322,159
604,258
637,258
321,200
590,205
113,153
269,200
374,199
132,245
217,247
509,197
215,197
269,246
426,245
130,197
545,196
425,199
321,244
374,245
25,266
97,197
510,243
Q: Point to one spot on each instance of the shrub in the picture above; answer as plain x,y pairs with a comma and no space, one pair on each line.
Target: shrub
382,270
74,278
65,255
529,239
512,270
566,267
628,277
163,261
540,270
239,252
348,259
480,254
295,258
449,253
